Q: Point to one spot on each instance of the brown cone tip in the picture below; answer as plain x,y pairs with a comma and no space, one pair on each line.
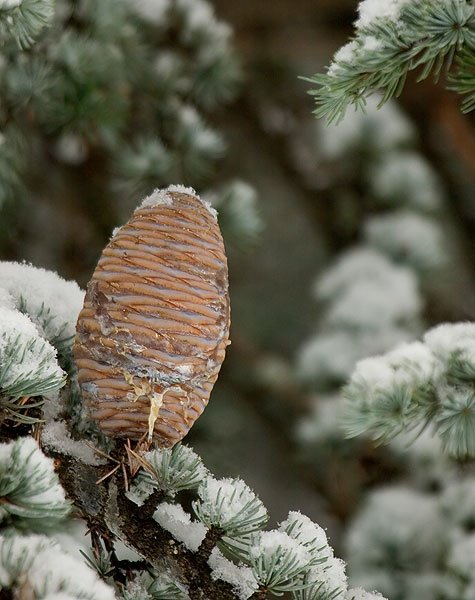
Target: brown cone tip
152,334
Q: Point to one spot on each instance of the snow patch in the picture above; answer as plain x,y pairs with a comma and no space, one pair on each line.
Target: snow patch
380,129
346,53
371,305
6,300
182,189
332,356
71,149
157,198
175,520
334,573
269,544
406,236
28,478
400,518
309,534
55,571
410,366
115,231
163,197
55,435
239,576
371,43
51,302
372,10
449,338
462,557
225,501
355,264
73,537
406,178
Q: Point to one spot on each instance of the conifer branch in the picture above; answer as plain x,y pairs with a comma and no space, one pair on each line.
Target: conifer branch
23,20
417,385
391,39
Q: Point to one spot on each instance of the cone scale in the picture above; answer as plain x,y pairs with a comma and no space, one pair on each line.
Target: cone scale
152,334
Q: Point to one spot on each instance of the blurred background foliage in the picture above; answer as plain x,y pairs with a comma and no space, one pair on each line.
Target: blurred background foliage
342,241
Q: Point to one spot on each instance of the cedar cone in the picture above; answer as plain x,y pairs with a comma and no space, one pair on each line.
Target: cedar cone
152,334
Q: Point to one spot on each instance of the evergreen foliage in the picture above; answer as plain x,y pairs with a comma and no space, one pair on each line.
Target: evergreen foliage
28,365
22,20
112,81
32,497
312,536
170,470
391,39
277,561
372,302
412,544
416,385
129,87
295,558
48,300
159,588
38,310
38,565
230,506
372,295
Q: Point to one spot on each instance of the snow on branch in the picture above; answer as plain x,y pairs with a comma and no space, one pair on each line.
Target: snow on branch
372,305
174,519
52,303
391,39
229,505
429,382
32,498
277,560
39,567
184,555
431,547
309,534
28,365
169,470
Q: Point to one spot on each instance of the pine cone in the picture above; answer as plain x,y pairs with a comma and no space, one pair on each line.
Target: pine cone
152,334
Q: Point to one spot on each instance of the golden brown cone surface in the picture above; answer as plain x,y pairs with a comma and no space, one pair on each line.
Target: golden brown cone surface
152,334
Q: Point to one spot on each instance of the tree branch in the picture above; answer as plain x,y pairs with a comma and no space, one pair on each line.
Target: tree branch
109,513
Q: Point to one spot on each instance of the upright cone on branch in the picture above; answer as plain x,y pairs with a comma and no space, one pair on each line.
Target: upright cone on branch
152,334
